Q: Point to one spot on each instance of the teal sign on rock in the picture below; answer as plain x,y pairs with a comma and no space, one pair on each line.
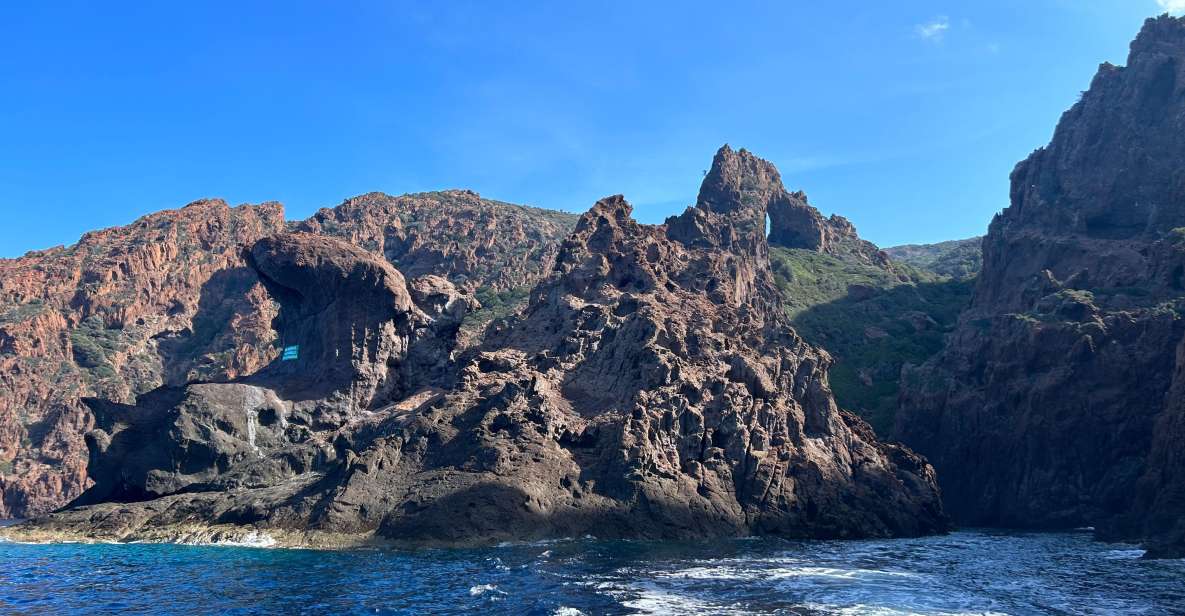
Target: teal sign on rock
290,353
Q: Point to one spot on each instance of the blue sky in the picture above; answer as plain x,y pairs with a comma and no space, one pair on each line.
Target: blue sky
906,117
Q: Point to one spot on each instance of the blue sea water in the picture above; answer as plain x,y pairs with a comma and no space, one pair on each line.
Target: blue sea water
961,573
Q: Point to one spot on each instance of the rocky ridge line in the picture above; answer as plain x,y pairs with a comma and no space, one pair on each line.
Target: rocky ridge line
651,388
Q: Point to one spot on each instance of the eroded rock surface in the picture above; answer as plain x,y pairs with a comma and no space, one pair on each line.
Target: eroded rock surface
170,299
1045,406
795,223
477,244
651,388
167,299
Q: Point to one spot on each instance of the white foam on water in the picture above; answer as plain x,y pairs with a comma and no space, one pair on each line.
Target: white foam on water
833,573
750,573
1124,554
649,598
860,609
714,573
252,539
564,610
533,544
477,591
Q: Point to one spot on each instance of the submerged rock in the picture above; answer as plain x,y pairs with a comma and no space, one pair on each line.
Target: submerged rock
652,387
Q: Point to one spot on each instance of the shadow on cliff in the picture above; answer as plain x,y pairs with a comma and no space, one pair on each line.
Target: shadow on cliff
872,333
222,298
199,354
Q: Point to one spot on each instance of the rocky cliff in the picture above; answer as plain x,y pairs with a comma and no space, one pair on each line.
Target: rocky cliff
167,299
795,223
170,300
1044,407
652,387
484,246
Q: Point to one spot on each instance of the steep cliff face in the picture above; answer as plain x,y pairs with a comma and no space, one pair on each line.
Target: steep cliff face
170,300
651,388
167,299
1041,410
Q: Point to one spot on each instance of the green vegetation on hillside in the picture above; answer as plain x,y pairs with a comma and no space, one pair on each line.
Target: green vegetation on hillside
93,344
953,259
872,320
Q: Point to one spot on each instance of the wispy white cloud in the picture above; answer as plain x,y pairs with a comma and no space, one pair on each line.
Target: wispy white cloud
935,29
1172,6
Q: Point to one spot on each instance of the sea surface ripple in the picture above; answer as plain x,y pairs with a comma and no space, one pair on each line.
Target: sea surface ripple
968,572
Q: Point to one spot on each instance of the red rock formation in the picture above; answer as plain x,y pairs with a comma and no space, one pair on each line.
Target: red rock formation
475,243
651,388
795,223
169,300
165,299
1041,410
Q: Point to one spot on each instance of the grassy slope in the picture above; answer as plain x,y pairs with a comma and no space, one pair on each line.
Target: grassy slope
869,320
954,258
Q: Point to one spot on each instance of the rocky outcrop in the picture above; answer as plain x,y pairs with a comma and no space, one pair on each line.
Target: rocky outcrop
475,243
170,300
360,341
1043,409
167,299
795,223
651,388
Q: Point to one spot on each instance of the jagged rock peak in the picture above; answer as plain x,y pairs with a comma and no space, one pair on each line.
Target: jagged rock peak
741,190
730,211
739,180
1163,34
1112,169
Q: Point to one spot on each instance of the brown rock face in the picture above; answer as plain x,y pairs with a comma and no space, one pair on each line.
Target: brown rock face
361,342
170,300
167,299
795,223
475,243
1041,410
651,388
